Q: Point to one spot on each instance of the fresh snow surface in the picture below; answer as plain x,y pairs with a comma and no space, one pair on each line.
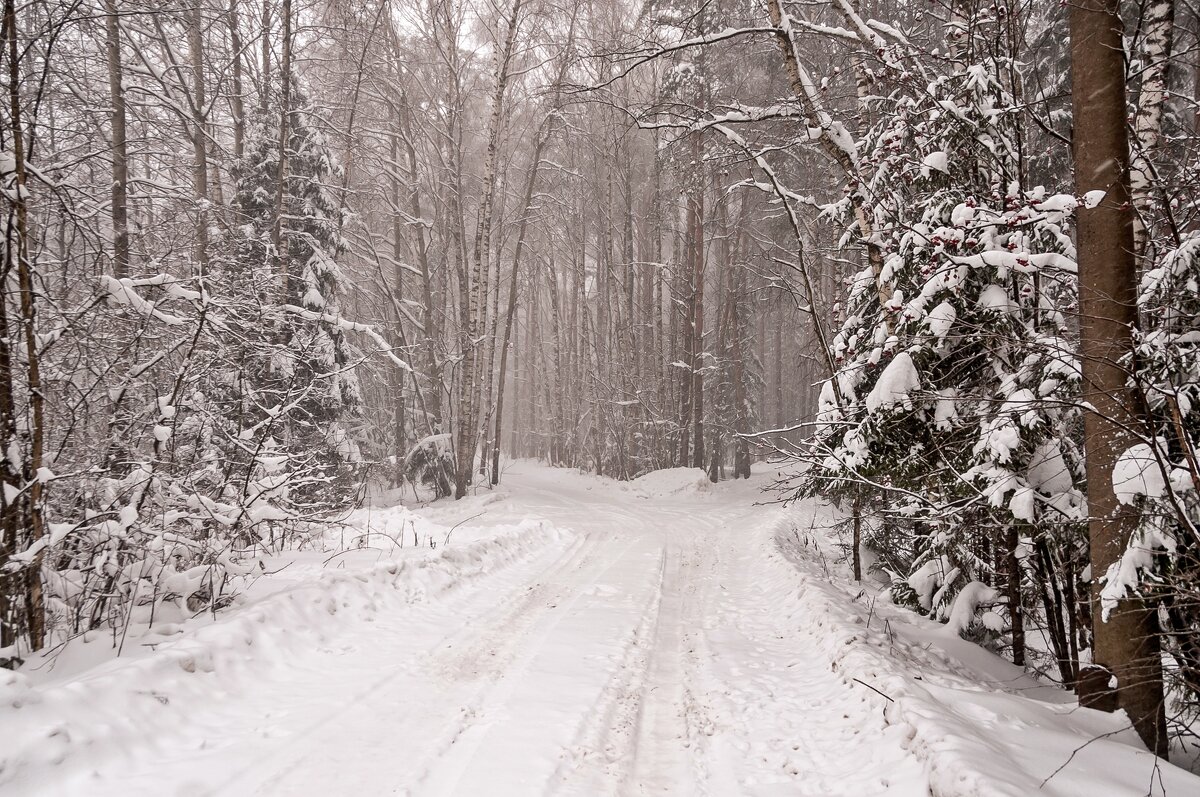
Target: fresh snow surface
572,636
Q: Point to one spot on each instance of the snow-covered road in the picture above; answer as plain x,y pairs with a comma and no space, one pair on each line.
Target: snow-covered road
639,657
646,639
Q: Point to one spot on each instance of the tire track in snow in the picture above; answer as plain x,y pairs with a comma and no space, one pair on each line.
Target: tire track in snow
596,760
490,657
292,771
667,756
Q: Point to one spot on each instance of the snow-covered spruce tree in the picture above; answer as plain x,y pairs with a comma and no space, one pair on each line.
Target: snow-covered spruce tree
304,368
1161,475
952,400
232,439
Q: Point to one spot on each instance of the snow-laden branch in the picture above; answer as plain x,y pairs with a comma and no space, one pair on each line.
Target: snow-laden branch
349,326
123,291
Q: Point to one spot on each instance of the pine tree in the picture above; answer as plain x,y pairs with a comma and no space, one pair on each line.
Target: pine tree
306,363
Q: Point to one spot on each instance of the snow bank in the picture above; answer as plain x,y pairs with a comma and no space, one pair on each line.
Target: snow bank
120,706
671,481
979,725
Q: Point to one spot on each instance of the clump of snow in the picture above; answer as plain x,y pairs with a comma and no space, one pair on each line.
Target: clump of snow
1125,575
1059,203
941,319
999,437
967,603
1138,472
1022,504
937,161
895,385
927,579
994,297
945,412
1048,471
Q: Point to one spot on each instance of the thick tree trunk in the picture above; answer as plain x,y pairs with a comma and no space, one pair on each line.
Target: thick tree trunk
1126,645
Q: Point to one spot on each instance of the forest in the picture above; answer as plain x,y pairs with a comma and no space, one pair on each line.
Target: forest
935,264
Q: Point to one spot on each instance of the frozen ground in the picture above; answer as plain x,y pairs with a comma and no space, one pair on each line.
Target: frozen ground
574,636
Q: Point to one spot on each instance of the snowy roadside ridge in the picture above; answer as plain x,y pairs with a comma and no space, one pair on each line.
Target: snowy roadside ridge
95,714
856,653
974,737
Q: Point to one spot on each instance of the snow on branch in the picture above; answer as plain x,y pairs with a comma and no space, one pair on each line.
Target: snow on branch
123,291
349,326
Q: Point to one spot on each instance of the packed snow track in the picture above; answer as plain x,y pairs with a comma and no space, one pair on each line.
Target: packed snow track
645,639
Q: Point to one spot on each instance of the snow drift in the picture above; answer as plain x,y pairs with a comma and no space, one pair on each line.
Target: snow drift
671,481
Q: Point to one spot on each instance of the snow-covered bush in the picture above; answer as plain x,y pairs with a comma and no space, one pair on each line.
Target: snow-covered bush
431,462
1160,476
197,418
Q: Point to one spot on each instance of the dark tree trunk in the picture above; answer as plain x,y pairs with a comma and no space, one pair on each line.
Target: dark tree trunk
120,151
1126,644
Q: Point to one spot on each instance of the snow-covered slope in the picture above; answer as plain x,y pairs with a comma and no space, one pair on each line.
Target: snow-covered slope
978,724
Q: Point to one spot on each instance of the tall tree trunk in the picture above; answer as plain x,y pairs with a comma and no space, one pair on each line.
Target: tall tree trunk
688,324
1126,645
471,324
285,118
781,418
264,94
120,150
237,102
1158,27
697,324
31,518
531,381
399,424
741,399
199,134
